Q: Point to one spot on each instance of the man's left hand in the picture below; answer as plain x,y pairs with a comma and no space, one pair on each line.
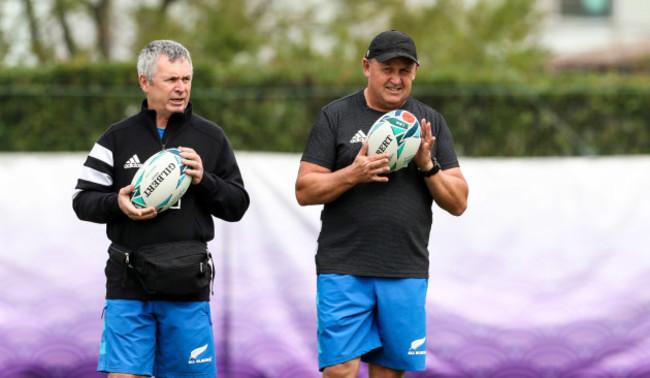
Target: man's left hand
423,157
194,164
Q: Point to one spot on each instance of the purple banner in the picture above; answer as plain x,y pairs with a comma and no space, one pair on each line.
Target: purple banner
543,276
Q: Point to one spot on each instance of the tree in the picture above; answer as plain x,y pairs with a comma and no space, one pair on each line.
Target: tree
214,30
496,38
467,38
61,8
37,43
53,34
4,45
100,12
455,38
153,21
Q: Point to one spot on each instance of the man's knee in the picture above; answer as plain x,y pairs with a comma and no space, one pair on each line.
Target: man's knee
346,369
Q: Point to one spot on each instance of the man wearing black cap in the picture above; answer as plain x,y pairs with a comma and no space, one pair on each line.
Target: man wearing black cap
372,259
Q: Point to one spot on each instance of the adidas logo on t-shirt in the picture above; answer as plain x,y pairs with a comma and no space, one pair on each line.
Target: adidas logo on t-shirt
133,162
359,137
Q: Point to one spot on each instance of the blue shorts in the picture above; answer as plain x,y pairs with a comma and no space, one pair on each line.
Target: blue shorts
383,320
160,338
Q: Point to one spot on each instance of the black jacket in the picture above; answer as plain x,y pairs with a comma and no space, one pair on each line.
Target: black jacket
112,163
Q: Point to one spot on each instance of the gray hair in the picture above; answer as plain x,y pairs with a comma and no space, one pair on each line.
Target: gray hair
149,56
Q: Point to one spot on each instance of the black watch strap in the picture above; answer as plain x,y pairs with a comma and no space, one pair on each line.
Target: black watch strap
436,167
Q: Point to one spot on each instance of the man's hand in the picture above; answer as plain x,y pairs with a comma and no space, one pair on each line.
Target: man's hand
369,168
124,201
318,185
423,157
194,164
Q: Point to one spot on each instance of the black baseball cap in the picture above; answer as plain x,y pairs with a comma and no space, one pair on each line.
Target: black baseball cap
392,44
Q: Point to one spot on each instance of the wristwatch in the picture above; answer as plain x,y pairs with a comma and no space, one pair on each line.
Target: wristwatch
436,167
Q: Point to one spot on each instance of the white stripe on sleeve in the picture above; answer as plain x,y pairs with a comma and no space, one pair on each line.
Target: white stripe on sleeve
95,176
102,153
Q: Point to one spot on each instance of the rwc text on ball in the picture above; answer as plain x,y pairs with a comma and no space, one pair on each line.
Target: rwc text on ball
165,172
382,147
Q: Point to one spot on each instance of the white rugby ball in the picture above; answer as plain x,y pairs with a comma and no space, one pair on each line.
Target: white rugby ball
160,181
397,133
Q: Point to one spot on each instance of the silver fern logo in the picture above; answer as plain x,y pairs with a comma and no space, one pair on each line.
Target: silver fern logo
415,344
194,355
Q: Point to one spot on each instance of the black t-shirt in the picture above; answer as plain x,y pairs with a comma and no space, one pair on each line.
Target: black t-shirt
374,229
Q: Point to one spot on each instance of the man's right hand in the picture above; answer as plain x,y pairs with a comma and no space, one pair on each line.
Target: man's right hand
124,201
369,168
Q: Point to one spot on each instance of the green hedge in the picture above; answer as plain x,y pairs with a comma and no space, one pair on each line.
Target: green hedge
67,108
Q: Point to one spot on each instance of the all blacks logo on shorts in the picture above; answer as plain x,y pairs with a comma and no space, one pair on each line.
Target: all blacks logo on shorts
194,356
415,344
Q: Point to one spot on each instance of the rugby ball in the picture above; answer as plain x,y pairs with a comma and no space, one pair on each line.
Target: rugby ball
160,181
397,133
